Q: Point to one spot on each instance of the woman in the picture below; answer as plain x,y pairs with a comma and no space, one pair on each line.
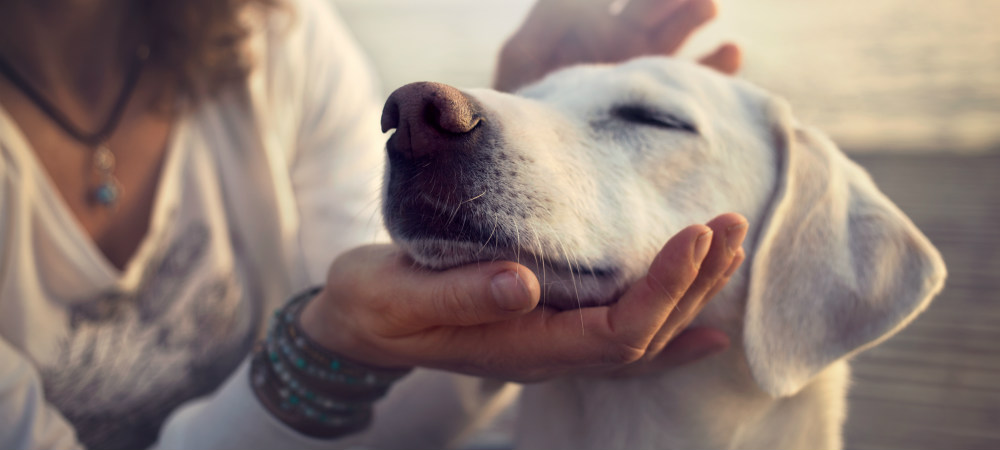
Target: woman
173,170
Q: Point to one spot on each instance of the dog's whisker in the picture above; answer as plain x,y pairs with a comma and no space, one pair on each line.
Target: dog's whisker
572,275
447,201
517,244
373,206
371,219
496,220
453,213
478,196
539,255
414,177
546,284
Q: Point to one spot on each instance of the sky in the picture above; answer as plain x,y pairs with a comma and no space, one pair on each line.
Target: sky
878,75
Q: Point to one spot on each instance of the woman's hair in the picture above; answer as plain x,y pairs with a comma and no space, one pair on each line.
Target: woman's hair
201,42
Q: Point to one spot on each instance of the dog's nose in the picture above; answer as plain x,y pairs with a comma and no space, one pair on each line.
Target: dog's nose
429,118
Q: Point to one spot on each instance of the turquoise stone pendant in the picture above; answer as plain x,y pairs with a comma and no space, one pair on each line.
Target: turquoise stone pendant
107,192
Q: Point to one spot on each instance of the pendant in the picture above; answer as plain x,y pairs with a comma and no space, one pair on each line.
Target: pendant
107,192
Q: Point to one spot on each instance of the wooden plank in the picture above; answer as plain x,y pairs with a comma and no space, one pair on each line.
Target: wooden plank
874,424
937,384
888,370
926,394
867,416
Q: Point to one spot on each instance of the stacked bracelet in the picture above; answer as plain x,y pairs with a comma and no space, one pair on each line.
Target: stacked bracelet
310,388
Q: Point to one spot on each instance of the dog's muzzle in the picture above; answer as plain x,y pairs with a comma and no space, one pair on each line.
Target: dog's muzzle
442,149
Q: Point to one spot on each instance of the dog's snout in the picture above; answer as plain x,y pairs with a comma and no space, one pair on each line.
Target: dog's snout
429,118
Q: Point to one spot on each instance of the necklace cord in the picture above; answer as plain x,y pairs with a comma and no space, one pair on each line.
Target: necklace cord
114,117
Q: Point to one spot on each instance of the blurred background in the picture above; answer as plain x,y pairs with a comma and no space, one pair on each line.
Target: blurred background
909,88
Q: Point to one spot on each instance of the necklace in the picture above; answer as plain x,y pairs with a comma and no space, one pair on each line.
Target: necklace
108,189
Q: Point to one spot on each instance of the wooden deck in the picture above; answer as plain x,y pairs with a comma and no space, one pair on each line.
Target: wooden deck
936,385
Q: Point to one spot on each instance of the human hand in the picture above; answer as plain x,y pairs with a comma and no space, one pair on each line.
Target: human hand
559,33
378,308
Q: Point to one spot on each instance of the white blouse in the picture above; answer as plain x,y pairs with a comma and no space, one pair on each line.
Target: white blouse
262,187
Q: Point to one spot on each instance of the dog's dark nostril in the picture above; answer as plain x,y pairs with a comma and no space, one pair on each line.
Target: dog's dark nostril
450,111
390,116
428,118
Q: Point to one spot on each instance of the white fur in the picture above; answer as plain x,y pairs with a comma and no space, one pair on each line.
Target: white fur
832,266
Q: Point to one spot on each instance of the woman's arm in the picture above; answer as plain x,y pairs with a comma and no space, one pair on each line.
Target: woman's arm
322,104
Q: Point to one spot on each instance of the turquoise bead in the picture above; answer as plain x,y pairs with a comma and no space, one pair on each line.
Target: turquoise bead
106,194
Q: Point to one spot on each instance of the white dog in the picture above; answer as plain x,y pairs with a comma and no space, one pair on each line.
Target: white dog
584,175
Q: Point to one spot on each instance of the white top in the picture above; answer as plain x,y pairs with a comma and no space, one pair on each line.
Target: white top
263,186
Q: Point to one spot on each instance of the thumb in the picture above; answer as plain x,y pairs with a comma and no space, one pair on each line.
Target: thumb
472,295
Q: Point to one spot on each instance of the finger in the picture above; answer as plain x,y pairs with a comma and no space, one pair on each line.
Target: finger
526,54
572,49
729,230
647,304
728,59
604,335
671,33
728,233
687,347
737,261
570,340
469,295
647,13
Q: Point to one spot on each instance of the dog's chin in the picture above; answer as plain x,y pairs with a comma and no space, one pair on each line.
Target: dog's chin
564,285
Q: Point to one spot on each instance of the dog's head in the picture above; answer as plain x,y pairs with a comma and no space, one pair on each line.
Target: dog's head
584,175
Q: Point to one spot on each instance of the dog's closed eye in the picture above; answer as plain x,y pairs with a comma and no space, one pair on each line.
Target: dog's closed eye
644,115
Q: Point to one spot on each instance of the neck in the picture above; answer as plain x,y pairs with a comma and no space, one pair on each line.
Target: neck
69,48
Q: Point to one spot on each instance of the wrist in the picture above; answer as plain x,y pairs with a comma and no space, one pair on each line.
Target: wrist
319,321
289,406
309,388
315,323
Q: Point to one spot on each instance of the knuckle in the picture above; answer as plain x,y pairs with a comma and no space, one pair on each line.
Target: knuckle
450,302
382,314
712,274
381,322
674,285
689,271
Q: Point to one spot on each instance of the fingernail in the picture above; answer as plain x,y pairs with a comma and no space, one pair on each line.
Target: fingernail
701,246
735,235
509,292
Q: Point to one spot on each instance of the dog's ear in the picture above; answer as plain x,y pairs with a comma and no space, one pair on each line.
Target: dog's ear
837,267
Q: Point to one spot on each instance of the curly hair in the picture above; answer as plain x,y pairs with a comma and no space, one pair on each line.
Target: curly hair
201,42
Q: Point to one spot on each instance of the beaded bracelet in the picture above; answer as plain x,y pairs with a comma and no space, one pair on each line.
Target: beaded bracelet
310,388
